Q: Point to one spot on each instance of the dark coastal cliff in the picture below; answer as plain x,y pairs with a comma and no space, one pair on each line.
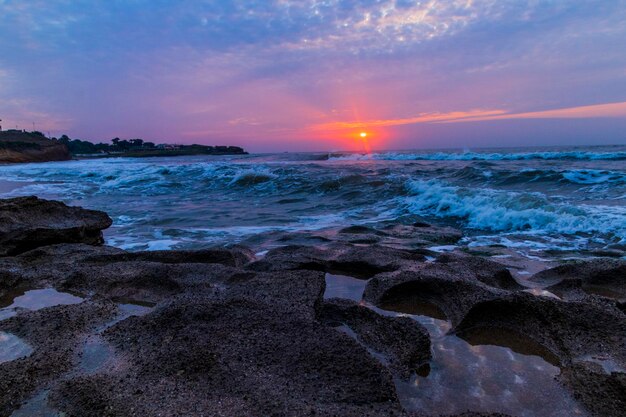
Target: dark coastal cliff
17,146
138,148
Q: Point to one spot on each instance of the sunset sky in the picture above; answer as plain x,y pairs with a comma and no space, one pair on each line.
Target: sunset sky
275,75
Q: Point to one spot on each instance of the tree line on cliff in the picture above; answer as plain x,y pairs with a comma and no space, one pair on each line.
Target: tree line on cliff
139,146
21,146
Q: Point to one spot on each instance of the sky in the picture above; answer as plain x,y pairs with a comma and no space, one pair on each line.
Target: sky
282,75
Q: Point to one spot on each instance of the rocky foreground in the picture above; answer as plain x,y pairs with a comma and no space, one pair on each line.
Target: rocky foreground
224,332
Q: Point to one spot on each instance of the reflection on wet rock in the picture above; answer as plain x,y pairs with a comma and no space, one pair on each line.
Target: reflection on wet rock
485,378
406,344
42,298
568,329
12,347
430,284
55,334
342,286
412,304
515,341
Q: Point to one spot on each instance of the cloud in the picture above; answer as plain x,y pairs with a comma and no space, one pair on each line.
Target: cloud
24,114
274,70
422,118
608,110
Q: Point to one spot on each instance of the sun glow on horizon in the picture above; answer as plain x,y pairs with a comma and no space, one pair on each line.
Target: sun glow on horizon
363,137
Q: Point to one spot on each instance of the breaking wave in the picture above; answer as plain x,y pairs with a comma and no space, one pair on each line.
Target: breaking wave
483,156
193,201
507,177
507,211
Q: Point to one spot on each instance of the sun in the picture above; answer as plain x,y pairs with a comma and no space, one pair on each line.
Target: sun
363,134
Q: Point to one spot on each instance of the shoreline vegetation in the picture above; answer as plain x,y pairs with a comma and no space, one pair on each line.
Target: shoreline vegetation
17,146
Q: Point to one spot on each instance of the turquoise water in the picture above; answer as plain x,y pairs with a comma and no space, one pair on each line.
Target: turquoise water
530,199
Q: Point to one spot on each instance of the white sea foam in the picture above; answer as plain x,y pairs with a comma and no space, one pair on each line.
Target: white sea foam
482,156
496,210
591,176
200,201
162,244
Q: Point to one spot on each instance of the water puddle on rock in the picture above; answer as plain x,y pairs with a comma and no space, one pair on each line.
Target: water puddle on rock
37,406
97,353
608,365
12,347
485,370
542,293
605,291
35,300
443,248
415,307
378,355
343,286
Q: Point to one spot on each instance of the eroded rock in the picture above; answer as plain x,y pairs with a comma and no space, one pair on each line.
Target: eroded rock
404,342
236,256
567,329
484,270
357,261
425,233
601,393
30,222
114,273
604,277
434,289
55,334
232,355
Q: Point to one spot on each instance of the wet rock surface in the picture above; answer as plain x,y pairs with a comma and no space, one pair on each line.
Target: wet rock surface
233,354
235,256
484,270
55,334
593,271
404,343
29,222
567,329
448,290
224,332
417,234
604,394
357,261
604,277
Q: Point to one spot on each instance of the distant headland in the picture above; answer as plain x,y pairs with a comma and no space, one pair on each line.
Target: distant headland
18,146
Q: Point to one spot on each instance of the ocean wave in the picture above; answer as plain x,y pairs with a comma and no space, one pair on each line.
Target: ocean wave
576,176
505,211
115,177
483,156
252,177
591,176
182,196
534,175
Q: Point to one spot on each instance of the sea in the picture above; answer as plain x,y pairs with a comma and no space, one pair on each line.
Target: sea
542,202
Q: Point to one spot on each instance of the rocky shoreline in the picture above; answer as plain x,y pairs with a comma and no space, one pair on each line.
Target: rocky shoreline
223,331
